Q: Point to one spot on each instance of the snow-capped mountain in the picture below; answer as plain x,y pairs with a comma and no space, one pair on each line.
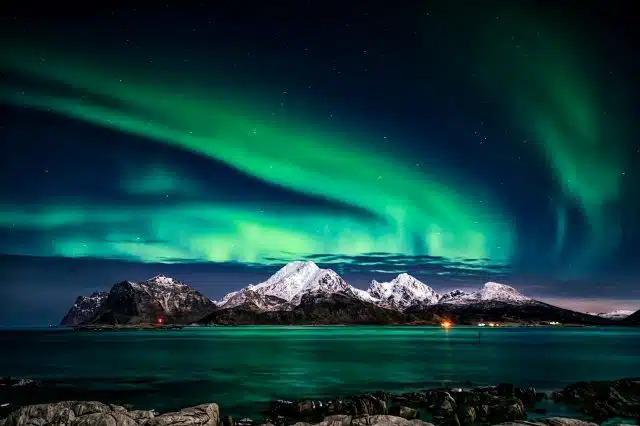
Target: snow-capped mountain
84,308
618,314
142,302
401,292
290,283
489,292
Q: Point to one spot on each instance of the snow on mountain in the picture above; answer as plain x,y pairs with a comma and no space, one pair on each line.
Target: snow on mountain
168,293
458,297
618,314
489,292
84,308
290,283
402,292
501,292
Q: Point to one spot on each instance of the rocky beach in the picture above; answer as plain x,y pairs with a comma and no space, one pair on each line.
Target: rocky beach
593,402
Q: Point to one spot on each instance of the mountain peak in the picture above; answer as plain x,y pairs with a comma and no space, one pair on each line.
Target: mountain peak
501,292
402,292
291,282
163,280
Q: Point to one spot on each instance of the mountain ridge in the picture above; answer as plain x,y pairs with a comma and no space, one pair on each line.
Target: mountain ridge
303,293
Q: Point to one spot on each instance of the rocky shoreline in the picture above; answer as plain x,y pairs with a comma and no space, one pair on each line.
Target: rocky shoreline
596,401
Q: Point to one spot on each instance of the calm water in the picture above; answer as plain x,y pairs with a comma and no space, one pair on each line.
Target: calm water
241,368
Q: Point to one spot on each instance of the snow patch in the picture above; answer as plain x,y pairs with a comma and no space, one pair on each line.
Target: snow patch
402,292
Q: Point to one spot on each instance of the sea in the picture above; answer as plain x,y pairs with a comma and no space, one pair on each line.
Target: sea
243,368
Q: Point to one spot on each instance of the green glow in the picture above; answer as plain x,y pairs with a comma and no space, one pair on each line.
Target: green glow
418,211
553,92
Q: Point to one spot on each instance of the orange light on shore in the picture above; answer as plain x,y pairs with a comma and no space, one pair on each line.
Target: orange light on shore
160,320
446,324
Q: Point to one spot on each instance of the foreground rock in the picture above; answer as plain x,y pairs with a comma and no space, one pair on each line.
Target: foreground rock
93,413
604,399
455,407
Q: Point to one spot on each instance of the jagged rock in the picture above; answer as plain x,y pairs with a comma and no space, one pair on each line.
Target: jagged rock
552,421
113,418
506,409
205,415
506,390
466,415
227,421
386,420
604,399
337,420
529,396
245,422
94,413
563,421
312,410
404,412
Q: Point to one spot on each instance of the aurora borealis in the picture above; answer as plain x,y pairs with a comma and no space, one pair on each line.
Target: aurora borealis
371,141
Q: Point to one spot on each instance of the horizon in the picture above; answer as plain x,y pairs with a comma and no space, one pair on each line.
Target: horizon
208,284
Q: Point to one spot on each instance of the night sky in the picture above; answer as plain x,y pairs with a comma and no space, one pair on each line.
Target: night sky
459,141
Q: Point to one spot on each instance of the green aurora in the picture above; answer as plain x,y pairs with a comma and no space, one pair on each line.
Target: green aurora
391,206
404,204
550,78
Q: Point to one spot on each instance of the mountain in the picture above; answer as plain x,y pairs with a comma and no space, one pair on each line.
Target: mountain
290,284
84,308
633,319
495,302
316,308
489,292
500,311
148,301
617,315
402,292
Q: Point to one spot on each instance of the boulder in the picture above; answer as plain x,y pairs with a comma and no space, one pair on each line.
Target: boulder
75,413
94,413
604,399
466,415
506,410
404,412
201,415
552,421
386,420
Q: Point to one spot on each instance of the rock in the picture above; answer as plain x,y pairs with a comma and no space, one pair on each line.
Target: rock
26,382
202,415
369,405
404,412
245,422
553,421
450,420
227,421
141,415
386,420
506,410
506,390
337,420
112,418
466,415
90,407
604,399
564,421
75,413
528,396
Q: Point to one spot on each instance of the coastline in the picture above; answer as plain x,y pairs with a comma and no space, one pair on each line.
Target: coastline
442,406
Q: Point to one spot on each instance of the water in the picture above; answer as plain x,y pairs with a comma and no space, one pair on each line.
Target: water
242,368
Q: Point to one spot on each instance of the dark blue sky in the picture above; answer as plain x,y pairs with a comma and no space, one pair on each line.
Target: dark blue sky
214,143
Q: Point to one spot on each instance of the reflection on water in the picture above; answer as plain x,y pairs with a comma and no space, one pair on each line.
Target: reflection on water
240,366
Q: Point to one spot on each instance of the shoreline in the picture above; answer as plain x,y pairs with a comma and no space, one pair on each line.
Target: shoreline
444,406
